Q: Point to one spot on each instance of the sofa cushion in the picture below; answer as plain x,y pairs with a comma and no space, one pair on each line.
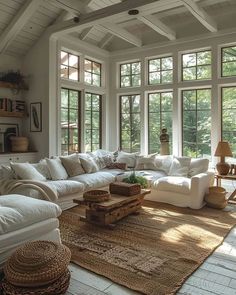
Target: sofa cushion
94,180
145,162
174,184
17,211
27,171
57,170
42,168
88,163
72,165
66,187
163,163
128,158
180,166
114,172
102,158
198,166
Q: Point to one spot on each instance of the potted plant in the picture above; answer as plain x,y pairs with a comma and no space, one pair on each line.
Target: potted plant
133,178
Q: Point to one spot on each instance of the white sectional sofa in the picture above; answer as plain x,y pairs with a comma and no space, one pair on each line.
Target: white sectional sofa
180,181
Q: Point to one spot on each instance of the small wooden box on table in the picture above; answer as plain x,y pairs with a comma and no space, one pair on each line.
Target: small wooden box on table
108,212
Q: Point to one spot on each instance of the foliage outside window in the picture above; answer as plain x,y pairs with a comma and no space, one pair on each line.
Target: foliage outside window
229,117
70,121
69,66
228,56
130,119
196,106
196,66
92,72
160,70
93,109
130,74
160,105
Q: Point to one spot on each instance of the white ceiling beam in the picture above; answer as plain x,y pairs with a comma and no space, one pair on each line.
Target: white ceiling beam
158,26
65,15
84,34
107,14
121,33
17,23
105,40
75,7
204,18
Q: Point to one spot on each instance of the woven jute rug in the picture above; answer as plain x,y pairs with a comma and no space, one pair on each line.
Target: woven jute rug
153,252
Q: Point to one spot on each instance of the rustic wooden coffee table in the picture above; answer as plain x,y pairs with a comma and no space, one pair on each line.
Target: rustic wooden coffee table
108,212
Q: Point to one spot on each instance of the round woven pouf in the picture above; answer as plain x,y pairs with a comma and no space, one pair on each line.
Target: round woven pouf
37,263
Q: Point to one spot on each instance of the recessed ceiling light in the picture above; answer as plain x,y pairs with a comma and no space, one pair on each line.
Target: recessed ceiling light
133,12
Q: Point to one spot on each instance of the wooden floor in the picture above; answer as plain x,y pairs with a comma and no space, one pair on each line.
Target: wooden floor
217,275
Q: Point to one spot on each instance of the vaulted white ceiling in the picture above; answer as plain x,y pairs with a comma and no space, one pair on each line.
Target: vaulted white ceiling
107,24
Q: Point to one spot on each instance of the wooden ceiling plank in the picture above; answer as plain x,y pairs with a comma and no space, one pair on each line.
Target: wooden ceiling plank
74,7
106,40
121,33
158,26
204,18
18,23
84,34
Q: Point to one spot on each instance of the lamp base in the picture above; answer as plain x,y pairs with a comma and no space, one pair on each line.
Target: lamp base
223,168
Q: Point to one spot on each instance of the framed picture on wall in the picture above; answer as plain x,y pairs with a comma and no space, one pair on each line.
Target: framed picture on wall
36,117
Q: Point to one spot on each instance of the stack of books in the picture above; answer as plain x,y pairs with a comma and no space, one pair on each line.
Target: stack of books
10,105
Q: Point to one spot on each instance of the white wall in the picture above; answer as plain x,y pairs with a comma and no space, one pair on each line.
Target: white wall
174,48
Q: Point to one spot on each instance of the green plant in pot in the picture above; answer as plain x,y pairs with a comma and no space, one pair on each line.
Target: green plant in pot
133,178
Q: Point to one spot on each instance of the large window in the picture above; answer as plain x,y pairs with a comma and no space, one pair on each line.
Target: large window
196,107
196,66
130,123
92,72
159,117
229,116
93,110
130,74
228,56
160,70
69,66
70,121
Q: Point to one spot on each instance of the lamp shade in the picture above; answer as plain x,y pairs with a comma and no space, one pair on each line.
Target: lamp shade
223,150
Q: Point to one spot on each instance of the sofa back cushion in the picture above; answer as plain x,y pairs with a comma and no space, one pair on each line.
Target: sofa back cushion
180,166
145,162
128,158
198,166
42,168
88,163
163,163
26,171
57,170
72,165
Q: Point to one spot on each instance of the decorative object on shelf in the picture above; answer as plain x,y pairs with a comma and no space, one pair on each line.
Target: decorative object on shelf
125,189
216,198
96,196
15,79
164,139
223,150
38,267
7,130
36,117
133,178
19,144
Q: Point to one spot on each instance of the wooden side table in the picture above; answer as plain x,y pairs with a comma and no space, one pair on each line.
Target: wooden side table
219,177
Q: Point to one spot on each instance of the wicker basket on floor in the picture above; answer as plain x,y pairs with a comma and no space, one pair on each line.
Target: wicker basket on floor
216,197
37,263
96,196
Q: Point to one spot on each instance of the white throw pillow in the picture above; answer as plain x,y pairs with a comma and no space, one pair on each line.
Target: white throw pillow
146,162
102,158
27,171
180,166
8,172
72,165
42,168
198,166
88,163
163,163
57,171
128,158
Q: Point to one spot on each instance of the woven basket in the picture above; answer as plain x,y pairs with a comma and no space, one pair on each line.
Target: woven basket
96,196
19,144
125,189
37,264
58,287
216,197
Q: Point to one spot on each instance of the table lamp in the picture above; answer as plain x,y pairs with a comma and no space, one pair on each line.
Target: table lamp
223,150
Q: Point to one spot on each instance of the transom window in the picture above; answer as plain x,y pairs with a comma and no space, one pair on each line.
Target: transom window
93,111
160,70
130,123
92,72
228,56
130,74
69,66
70,121
196,107
196,66
229,116
160,105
